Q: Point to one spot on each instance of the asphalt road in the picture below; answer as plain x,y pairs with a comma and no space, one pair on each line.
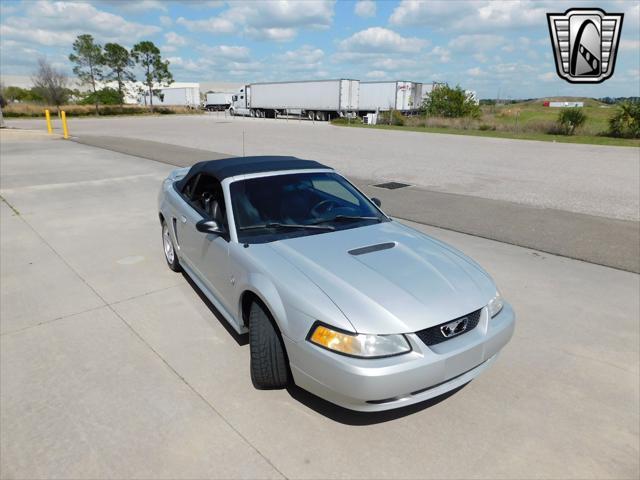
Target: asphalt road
606,241
588,179
111,366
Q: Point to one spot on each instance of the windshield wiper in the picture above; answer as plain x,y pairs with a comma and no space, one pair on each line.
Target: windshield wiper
286,225
339,218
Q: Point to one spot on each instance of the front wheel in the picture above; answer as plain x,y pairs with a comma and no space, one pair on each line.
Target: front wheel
169,250
268,359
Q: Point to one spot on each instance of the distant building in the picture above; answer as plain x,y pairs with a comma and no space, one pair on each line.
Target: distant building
547,103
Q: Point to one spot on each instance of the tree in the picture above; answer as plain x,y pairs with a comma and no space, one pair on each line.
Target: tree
50,84
89,61
444,101
625,122
156,70
106,96
118,60
569,119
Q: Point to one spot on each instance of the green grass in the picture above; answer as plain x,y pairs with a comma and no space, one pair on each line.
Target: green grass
524,120
529,114
545,137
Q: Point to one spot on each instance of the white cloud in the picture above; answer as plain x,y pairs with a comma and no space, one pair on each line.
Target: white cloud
381,40
267,19
376,74
365,8
275,34
58,23
418,12
305,54
172,38
548,76
472,16
229,52
189,64
204,4
306,58
166,21
139,6
443,54
211,25
476,72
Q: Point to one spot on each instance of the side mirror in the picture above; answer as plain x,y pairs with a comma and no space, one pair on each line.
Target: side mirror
377,202
209,226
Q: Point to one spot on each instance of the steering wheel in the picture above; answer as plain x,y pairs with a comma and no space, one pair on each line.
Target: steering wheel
323,207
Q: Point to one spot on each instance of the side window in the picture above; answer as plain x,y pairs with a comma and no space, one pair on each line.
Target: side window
336,189
208,198
189,188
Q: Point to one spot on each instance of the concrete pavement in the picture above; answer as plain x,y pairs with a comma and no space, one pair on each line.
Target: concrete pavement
590,179
115,367
606,241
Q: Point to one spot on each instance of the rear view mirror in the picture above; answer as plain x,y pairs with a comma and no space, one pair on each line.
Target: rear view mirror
377,202
209,226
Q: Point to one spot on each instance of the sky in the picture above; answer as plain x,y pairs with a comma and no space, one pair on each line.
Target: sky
500,49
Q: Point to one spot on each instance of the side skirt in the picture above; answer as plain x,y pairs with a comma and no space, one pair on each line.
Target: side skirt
238,327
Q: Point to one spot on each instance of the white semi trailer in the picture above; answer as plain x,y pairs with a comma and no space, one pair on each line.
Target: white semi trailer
218,101
177,94
393,95
313,99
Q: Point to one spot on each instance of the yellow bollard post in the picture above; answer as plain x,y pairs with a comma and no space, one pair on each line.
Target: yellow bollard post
48,117
65,130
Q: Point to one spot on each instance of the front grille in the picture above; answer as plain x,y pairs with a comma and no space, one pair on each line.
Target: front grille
434,335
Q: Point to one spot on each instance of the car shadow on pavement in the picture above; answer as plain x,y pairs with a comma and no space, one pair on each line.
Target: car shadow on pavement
323,407
241,339
354,418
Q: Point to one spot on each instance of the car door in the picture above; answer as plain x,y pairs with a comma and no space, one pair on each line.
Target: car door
207,254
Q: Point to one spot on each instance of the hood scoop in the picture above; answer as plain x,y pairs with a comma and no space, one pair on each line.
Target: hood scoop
372,248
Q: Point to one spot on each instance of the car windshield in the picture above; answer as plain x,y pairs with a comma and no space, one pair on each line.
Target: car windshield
293,205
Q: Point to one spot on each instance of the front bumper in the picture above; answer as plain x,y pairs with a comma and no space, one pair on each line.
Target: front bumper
387,383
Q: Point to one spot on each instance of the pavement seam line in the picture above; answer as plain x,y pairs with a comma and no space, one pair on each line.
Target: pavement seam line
73,314
51,320
13,209
157,354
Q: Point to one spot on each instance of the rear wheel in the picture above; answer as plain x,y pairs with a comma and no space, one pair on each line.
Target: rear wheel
269,368
169,250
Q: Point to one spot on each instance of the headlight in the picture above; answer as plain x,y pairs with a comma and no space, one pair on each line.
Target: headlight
358,345
495,305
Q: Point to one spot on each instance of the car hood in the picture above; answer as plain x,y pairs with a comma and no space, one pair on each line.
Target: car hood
388,278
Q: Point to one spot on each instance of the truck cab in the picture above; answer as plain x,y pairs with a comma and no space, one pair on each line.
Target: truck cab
240,102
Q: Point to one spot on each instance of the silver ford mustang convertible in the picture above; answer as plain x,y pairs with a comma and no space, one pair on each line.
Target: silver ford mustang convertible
337,297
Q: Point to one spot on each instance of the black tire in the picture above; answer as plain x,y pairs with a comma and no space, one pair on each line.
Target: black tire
172,259
269,368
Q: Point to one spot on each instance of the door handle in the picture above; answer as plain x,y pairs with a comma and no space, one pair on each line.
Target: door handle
183,219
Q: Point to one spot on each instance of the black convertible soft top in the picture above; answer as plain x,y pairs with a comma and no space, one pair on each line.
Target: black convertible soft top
230,167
